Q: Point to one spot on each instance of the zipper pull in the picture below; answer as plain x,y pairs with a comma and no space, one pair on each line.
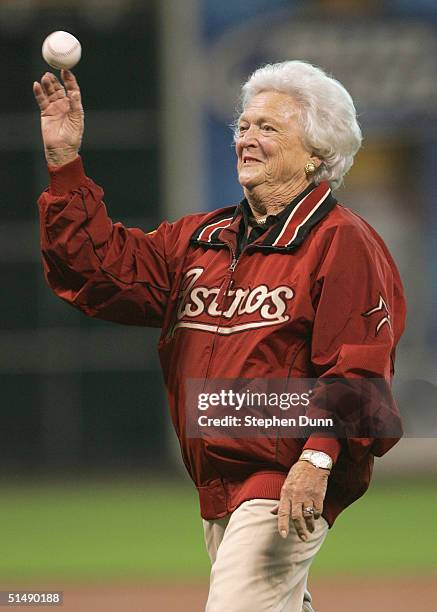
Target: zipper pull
233,264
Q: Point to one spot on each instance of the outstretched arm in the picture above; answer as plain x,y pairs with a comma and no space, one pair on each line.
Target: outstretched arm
104,269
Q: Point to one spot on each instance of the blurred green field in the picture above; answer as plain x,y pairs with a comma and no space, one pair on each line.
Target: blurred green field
147,531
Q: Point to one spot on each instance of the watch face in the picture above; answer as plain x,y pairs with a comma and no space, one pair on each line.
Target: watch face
321,460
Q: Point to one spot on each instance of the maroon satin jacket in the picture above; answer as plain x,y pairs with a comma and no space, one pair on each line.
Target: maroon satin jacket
316,295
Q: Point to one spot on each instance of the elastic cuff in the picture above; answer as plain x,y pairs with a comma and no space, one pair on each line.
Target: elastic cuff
65,179
330,446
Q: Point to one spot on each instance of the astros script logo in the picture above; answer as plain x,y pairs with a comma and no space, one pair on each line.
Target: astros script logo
199,306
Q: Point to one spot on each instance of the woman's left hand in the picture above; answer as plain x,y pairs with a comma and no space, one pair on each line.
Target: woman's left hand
304,487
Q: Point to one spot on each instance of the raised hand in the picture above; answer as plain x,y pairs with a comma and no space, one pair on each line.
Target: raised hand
62,116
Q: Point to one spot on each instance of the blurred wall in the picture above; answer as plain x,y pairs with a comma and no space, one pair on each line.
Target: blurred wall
78,394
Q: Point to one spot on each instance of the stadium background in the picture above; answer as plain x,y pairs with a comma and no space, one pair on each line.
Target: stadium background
93,496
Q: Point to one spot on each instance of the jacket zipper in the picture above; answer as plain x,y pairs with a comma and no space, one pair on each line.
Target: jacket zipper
226,283
234,259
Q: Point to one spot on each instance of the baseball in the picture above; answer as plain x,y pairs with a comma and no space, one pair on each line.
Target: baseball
61,50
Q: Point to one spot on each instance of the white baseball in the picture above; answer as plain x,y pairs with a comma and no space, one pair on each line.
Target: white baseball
61,50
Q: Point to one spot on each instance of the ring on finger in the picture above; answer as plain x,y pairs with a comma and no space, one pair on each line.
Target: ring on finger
308,511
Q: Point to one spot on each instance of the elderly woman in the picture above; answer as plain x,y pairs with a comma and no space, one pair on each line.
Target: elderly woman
288,284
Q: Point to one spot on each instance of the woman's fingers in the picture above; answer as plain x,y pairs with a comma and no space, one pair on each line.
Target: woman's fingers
284,511
61,117
56,84
73,90
69,80
308,515
46,84
50,90
40,96
52,87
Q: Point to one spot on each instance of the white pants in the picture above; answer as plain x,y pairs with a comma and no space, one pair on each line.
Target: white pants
253,568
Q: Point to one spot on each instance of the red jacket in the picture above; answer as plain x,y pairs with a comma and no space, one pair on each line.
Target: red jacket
293,305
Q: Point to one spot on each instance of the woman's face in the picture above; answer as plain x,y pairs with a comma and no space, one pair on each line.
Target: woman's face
269,145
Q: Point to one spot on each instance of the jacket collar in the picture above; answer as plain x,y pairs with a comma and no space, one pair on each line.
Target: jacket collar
247,213
292,227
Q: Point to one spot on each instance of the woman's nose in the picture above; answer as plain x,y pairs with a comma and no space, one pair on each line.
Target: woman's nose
248,136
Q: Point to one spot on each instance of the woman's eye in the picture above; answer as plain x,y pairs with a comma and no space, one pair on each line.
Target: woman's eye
242,129
268,128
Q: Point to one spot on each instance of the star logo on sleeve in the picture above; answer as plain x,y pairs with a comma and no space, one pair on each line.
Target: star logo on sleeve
381,308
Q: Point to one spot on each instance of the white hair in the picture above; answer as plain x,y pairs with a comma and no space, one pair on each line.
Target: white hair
327,113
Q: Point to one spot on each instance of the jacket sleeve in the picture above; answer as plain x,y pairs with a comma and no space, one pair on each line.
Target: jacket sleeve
100,267
359,318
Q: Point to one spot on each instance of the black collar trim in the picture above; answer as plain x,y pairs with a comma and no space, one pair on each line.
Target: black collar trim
291,229
208,233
